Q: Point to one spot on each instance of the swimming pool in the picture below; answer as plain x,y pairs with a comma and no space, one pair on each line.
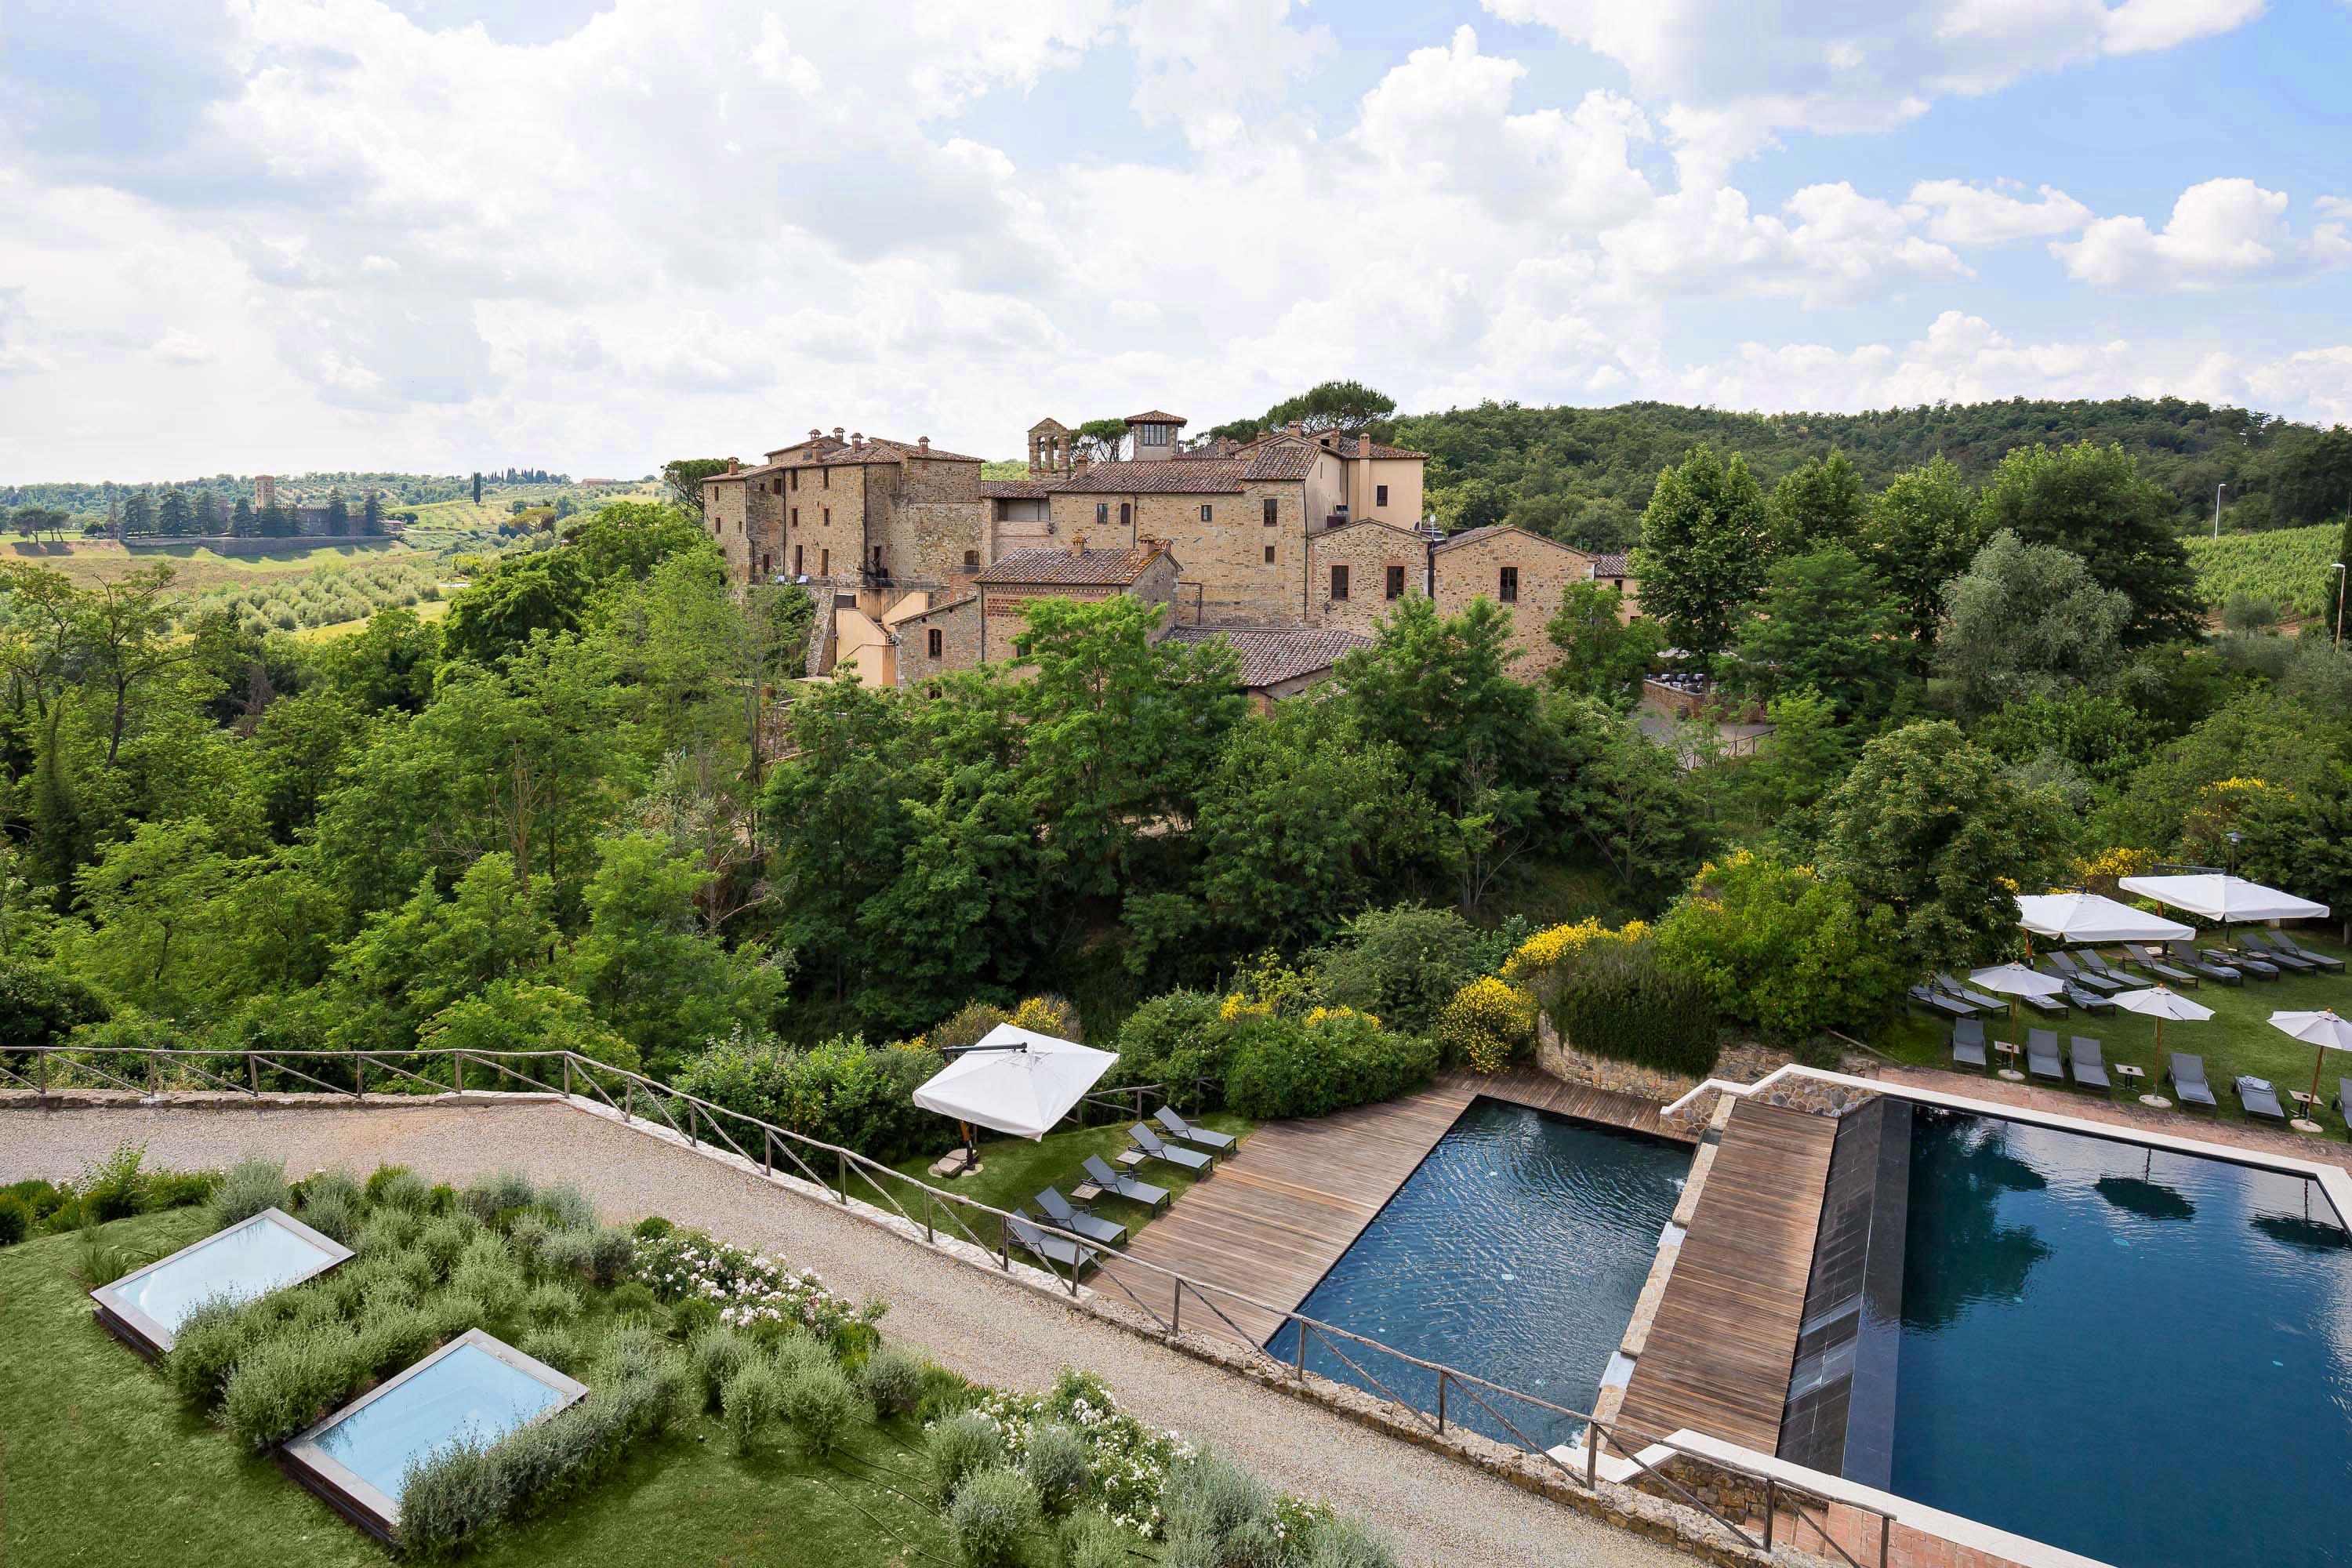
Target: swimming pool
1514,1252
474,1388
2141,1355
237,1263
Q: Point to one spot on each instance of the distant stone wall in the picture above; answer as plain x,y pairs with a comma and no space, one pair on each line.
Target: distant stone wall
225,544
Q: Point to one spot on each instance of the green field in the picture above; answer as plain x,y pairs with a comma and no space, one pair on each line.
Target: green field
2288,566
2237,1039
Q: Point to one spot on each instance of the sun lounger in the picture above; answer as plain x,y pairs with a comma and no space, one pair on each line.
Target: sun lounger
2042,1054
1201,1137
1110,1233
2157,966
1973,999
2270,950
2282,943
2090,1066
1120,1184
2343,1097
2187,1074
2182,953
1182,1159
2258,1097
1950,1007
2048,1006
1058,1250
2076,996
2071,968
1968,1042
2100,965
2252,963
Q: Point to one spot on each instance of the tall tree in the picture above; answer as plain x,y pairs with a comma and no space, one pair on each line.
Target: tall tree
2028,620
1821,503
276,521
1601,654
137,514
1704,542
1333,406
241,521
372,513
684,477
2090,501
209,519
1919,536
2315,480
1823,621
174,518
339,511
478,486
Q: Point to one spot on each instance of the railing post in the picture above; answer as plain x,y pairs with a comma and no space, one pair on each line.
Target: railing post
628,1098
154,1074
359,1075
1300,1365
1176,1307
1592,1456
252,1073
567,1077
456,1071
1441,1402
841,1171
1771,1507
767,1149
45,1075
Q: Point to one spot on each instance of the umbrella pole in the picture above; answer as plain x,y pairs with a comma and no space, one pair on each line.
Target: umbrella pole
2318,1058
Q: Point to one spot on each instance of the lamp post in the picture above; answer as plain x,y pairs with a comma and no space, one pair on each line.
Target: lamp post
2339,606
2217,507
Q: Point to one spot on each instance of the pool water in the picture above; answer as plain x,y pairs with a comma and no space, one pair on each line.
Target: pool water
1514,1252
466,1392
2142,1356
238,1264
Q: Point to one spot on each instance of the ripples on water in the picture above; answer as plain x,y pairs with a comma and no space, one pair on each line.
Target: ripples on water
1514,1252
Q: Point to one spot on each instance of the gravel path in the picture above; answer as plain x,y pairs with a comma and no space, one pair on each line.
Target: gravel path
1438,1510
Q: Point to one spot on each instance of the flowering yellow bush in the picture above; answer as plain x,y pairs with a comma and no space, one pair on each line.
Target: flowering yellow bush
1488,1021
1319,1016
1266,987
1547,949
1047,1016
2116,862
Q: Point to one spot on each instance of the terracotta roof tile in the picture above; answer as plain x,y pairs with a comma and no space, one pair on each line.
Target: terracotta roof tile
1019,490
1469,536
1271,658
1096,568
1611,566
1159,476
1154,416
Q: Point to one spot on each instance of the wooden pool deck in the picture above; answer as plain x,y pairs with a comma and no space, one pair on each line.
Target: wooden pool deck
1720,1348
1282,1208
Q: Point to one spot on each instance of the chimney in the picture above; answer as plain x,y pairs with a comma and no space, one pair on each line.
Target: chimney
857,438
1078,463
731,464
1078,545
924,442
836,432
1296,428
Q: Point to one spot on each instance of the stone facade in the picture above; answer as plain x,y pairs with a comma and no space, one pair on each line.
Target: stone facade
1522,572
938,641
1238,569
1376,558
1003,605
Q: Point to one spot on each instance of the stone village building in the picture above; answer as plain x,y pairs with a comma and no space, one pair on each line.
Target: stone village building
1292,546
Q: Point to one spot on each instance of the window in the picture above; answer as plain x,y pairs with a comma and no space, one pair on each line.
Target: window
1338,582
1126,515
970,563
937,640
1151,435
825,563
879,567
765,567
1509,589
826,475
1380,495
776,486
1270,554
828,518
796,478
796,561
1271,512
1102,511
796,517
1204,511
1396,582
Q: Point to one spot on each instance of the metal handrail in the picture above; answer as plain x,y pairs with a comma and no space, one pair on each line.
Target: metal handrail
1597,1432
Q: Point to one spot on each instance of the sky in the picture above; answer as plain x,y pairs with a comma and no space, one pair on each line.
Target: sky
281,236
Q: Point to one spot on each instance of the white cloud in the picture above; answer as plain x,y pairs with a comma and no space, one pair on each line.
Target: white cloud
1982,214
2334,206
1738,74
2221,232
1205,68
2316,381
178,347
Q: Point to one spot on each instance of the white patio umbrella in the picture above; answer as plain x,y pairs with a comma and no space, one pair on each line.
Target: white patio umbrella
2160,1003
2014,981
1014,1081
2093,917
2224,899
2323,1029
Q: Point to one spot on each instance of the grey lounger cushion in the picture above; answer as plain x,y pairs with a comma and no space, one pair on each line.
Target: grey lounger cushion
1950,1007
2276,950
1182,1159
2187,1076
2089,1061
1052,1249
2157,966
1215,1142
2286,943
1131,1188
2042,1054
2259,1098
1093,1229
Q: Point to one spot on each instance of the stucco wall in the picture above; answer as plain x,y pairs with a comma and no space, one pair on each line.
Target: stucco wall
1403,477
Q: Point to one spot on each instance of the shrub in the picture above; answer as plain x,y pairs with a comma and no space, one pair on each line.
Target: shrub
716,1355
180,1189
556,1344
609,1256
285,1382
1404,964
634,1299
692,1316
1783,949
749,1400
331,1212
1049,1015
487,1197
1337,1543
16,1219
333,1187
205,1349
568,1208
991,1510
486,1271
453,1492
446,1239
652,1227
960,1445
894,1381
113,1186
818,1403
1333,1059
1056,1465
964,1027
550,1303
568,1252
396,1187
529,1236
842,1091
1615,1000
1175,1039
1090,1539
1486,1024
1211,1498
454,1311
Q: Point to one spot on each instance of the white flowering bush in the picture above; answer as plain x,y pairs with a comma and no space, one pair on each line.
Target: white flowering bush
751,1290
1126,1461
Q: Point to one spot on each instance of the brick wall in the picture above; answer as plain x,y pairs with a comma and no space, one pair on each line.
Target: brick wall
1464,572
1367,549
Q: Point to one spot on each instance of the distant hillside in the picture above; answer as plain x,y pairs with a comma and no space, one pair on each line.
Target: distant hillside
1585,474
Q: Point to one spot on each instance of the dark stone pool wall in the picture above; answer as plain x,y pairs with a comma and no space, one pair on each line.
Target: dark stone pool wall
1840,1415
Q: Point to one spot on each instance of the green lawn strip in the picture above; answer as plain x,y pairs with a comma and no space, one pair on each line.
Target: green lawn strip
1012,1170
101,1464
2237,1039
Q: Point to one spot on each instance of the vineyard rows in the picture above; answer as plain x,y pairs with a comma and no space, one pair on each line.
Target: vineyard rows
2292,567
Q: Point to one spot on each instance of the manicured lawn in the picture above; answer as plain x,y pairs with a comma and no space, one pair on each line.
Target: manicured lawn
2237,1039
99,1465
1011,1170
